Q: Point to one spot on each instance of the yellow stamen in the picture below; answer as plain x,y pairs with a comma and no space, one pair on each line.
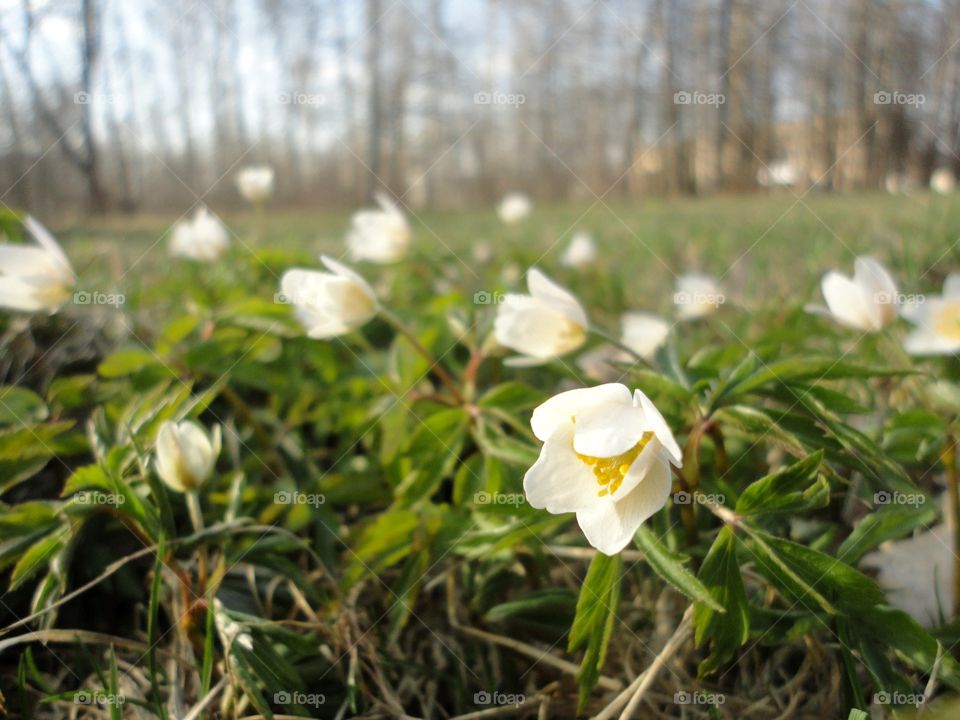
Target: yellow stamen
947,321
610,471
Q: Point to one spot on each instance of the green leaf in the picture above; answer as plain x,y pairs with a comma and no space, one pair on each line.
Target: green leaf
796,488
757,424
511,396
720,574
888,523
667,565
36,558
808,576
126,362
20,406
794,369
594,620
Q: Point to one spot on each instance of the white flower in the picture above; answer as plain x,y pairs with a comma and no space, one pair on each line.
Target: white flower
185,455
514,207
381,235
581,251
943,181
35,278
644,332
867,301
697,296
917,574
547,323
606,456
204,238
482,253
255,183
937,320
331,303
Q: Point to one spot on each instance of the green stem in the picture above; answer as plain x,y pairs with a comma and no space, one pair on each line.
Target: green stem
949,459
435,365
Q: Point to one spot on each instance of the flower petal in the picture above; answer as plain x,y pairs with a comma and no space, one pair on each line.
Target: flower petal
610,526
878,288
607,430
658,425
559,481
644,332
563,407
846,302
555,296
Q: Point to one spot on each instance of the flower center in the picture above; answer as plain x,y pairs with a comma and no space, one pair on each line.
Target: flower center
947,321
610,471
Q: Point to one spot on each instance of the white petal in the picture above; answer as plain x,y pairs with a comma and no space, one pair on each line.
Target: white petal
927,342
644,333
16,294
555,296
559,481
609,527
563,407
951,286
846,302
48,243
344,271
532,327
658,425
878,288
607,430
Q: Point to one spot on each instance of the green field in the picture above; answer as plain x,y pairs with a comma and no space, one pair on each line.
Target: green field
394,586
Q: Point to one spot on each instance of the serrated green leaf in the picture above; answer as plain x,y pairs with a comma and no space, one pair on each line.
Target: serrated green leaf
667,566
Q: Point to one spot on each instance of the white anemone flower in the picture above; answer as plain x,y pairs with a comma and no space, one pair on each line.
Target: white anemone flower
35,278
937,320
943,181
379,235
697,296
547,323
865,302
581,252
185,455
514,207
331,303
204,238
644,333
606,456
255,183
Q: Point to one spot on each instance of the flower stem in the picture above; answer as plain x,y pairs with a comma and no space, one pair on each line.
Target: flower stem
949,459
435,365
690,479
196,519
